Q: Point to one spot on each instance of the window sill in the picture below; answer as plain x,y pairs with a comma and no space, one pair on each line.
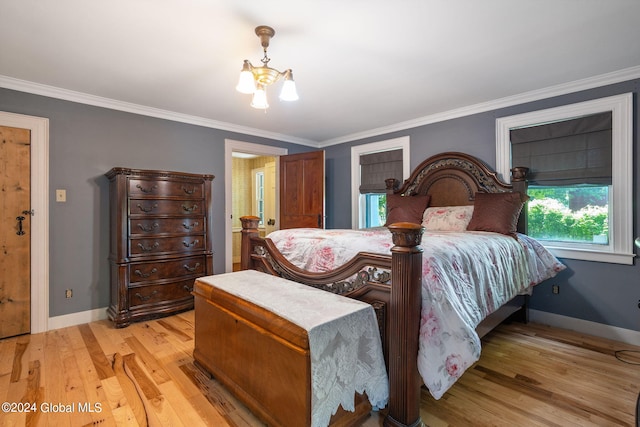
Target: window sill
592,255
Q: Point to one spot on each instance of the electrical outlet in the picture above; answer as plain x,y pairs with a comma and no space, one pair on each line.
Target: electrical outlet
61,196
555,289
68,293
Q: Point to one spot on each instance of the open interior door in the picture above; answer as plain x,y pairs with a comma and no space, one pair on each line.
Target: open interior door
302,190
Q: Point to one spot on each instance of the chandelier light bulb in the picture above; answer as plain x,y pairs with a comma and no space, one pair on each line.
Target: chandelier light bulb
246,83
259,100
289,92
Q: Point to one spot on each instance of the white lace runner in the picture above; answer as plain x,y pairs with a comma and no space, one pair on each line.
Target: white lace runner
344,342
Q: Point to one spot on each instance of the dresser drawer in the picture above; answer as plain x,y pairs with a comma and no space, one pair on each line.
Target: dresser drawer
155,188
149,271
158,294
166,245
142,207
152,227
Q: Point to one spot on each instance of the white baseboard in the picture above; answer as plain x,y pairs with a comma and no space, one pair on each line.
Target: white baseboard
587,327
77,318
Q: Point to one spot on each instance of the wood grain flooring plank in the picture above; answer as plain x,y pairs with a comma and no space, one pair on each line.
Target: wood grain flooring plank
177,332
153,337
182,381
93,387
53,380
7,354
112,340
144,383
152,365
75,391
22,343
158,408
98,358
34,394
130,391
226,405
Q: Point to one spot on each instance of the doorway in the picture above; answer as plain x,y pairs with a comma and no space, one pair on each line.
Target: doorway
39,229
253,193
269,159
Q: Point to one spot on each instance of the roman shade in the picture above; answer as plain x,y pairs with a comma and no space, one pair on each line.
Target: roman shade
570,152
376,167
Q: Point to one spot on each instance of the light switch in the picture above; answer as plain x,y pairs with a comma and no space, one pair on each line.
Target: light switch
61,195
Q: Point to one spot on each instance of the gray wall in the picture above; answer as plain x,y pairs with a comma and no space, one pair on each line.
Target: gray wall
599,292
84,143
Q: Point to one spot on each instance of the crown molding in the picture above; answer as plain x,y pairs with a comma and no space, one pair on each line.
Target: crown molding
113,104
535,95
550,92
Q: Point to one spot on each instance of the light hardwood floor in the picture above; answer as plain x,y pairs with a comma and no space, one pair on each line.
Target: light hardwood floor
95,375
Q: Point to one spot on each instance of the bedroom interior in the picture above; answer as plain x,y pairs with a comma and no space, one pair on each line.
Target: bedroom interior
81,129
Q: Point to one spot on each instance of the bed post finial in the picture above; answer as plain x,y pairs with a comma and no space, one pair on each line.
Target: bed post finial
404,325
392,185
520,183
249,230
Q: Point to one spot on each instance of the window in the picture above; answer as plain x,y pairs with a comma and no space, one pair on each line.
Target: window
577,212
375,209
258,194
371,164
570,174
569,214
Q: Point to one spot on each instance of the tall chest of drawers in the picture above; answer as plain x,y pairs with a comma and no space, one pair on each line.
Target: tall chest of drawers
160,241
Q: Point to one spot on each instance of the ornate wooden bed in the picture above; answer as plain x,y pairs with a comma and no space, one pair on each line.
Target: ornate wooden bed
451,179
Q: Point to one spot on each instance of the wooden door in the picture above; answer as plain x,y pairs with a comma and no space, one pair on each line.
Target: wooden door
270,197
15,231
302,190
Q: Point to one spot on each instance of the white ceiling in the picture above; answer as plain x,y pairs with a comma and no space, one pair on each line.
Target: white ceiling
360,66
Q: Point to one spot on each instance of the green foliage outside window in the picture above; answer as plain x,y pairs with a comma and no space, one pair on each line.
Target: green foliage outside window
382,208
575,214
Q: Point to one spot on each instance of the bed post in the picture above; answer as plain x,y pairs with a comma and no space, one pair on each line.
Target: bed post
249,230
519,183
404,325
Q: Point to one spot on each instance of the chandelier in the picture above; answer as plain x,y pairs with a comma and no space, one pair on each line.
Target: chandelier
254,80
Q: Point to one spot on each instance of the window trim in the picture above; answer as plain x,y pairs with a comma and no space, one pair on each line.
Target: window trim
402,143
620,249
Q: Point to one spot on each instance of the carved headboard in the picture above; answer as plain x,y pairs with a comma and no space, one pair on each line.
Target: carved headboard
453,179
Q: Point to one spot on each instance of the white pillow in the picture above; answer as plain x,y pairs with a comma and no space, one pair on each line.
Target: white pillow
447,218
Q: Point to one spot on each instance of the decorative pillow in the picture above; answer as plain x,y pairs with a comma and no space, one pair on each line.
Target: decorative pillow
497,212
447,218
406,208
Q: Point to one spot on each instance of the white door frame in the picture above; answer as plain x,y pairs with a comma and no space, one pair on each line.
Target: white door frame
39,128
244,147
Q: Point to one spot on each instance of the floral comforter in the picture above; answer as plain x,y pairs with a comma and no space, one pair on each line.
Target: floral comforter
466,277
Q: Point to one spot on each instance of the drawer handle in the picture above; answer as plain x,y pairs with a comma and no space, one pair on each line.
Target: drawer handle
190,209
190,227
188,288
145,275
147,297
189,191
147,190
188,245
147,209
148,248
148,228
191,269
